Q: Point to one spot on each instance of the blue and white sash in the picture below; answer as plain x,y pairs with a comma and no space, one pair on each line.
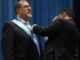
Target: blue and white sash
28,32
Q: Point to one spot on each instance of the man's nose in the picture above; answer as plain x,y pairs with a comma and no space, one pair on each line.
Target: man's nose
29,8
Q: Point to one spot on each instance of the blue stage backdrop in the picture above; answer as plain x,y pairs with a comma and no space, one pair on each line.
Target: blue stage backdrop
42,12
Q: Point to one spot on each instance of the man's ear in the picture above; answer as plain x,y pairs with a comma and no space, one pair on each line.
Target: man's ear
17,10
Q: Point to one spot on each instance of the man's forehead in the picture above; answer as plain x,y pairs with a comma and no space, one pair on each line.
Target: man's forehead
24,3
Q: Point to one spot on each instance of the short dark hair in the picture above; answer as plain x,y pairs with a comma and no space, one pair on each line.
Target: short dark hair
69,12
18,5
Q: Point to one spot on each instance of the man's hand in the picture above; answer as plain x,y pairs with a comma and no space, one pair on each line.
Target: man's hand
33,26
55,18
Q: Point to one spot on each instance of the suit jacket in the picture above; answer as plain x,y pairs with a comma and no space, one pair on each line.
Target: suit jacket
63,37
16,44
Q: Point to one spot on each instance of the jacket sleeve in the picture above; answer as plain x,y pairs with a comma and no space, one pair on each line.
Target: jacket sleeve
8,42
45,31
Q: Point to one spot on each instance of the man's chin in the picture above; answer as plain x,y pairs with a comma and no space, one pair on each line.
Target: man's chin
30,16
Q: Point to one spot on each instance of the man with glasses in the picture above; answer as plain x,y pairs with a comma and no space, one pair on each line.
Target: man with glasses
18,41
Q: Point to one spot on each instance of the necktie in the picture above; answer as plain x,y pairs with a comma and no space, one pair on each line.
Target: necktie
29,28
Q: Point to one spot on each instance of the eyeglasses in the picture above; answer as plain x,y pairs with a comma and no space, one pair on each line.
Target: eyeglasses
26,6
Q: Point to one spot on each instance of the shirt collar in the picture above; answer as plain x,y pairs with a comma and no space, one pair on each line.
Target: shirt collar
24,21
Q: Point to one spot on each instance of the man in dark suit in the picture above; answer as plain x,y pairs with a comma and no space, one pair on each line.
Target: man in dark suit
18,42
63,37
